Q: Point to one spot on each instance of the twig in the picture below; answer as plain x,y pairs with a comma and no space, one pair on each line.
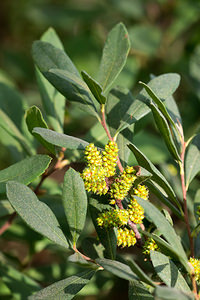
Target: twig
8,223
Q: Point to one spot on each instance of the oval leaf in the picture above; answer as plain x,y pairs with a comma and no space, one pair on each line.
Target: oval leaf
75,202
35,213
66,288
25,171
114,56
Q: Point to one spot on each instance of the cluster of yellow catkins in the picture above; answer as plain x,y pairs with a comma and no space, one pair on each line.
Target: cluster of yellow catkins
100,178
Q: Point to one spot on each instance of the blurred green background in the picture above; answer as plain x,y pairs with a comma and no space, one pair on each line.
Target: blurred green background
165,37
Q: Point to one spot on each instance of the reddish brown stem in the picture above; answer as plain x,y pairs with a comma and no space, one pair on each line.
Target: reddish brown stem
103,123
8,223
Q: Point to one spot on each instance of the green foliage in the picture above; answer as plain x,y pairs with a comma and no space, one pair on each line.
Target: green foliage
56,219
74,202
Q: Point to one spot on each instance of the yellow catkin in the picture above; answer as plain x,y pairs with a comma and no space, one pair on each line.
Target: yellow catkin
126,237
141,191
93,156
196,265
110,158
122,184
135,210
150,245
113,218
94,180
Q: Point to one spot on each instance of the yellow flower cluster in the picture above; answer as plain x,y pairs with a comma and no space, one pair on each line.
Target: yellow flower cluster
135,210
149,245
122,184
196,265
113,218
94,179
110,158
125,237
99,167
93,156
100,178
141,191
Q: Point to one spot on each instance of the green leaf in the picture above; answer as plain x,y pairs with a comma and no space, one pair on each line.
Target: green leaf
25,171
59,70
157,176
34,118
163,226
138,291
5,208
163,86
94,87
192,162
35,213
53,101
107,236
166,293
7,124
50,36
20,284
47,57
168,271
164,129
140,273
60,139
159,103
73,88
117,268
114,56
74,202
66,288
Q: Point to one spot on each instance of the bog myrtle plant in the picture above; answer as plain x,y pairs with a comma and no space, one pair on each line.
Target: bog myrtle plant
131,206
